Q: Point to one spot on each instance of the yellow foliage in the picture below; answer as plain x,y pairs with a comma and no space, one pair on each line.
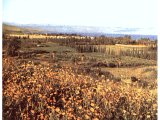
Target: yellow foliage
62,94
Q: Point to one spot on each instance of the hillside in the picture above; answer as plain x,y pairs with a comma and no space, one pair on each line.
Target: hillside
11,29
18,29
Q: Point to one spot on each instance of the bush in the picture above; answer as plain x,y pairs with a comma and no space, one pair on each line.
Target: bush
45,93
12,47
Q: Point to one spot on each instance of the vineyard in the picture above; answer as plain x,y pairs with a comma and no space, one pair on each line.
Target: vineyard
32,91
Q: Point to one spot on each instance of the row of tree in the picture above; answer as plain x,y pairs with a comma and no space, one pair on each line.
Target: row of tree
145,53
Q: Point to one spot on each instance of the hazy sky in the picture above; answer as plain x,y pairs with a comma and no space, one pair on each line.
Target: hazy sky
109,13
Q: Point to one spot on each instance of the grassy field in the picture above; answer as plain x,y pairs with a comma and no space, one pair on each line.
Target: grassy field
55,47
128,68
131,46
75,85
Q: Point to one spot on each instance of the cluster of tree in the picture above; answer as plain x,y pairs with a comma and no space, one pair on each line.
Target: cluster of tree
6,36
146,53
103,40
72,39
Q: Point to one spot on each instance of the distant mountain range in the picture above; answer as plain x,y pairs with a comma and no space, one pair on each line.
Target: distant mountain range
80,30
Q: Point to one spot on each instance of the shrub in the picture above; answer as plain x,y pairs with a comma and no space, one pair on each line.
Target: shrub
44,93
12,47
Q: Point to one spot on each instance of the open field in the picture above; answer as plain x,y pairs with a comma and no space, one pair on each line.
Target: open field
121,45
40,92
55,79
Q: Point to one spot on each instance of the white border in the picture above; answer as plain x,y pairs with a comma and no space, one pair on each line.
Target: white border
158,33
158,59
1,60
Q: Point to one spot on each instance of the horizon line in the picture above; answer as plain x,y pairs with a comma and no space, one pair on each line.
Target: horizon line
113,32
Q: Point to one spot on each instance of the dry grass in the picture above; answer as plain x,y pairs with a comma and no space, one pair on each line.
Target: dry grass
40,92
122,45
147,72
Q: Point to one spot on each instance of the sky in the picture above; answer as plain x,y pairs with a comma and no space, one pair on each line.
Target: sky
106,13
